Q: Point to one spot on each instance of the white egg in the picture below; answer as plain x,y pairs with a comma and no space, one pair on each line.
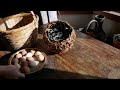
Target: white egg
29,54
18,55
41,57
36,62
24,52
33,52
37,53
30,58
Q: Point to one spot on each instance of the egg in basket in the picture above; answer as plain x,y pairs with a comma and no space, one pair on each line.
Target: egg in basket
28,60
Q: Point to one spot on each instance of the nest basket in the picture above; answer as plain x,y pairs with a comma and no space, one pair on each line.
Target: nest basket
59,37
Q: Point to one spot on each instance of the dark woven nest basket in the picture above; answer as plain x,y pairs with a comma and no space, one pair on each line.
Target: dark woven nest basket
19,31
59,37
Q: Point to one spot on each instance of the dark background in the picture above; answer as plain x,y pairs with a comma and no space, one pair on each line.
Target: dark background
9,7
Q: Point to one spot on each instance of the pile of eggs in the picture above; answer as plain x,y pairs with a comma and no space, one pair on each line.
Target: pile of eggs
25,60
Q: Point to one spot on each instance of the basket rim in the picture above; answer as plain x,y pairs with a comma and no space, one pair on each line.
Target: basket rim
15,16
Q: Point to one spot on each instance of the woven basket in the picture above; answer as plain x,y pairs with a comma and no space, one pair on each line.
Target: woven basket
19,31
64,44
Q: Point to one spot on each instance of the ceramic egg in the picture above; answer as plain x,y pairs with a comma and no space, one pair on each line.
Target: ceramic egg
25,69
18,55
29,54
24,52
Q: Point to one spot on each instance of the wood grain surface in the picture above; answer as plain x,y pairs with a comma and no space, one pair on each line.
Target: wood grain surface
87,59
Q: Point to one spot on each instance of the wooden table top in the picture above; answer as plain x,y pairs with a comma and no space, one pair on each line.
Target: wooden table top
87,59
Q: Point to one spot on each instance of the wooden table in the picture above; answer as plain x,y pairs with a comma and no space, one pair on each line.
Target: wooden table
87,59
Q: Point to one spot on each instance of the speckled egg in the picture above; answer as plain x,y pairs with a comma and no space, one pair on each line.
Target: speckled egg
18,55
25,69
24,52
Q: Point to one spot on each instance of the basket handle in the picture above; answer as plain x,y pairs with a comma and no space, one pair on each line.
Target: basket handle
90,24
34,17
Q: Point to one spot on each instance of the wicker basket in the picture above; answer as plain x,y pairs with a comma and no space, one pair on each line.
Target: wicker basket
19,31
66,40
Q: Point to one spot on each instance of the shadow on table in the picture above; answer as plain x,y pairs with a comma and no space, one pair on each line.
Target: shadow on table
41,45
4,59
57,74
